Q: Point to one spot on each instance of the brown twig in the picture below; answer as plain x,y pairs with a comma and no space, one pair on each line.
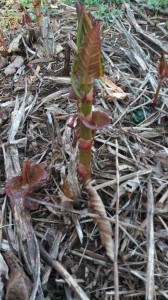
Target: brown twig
116,278
64,274
150,289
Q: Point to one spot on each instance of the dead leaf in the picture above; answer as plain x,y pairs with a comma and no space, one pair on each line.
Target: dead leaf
4,114
3,62
66,194
161,159
3,274
14,45
163,248
96,206
58,48
113,91
19,285
13,66
66,188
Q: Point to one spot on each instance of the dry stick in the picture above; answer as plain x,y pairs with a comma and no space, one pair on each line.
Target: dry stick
149,20
127,110
58,80
50,97
150,290
147,35
163,223
86,214
116,281
164,31
2,214
64,274
147,141
128,294
54,253
19,141
26,235
138,275
123,178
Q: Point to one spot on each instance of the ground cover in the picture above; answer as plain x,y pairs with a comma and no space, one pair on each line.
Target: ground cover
50,244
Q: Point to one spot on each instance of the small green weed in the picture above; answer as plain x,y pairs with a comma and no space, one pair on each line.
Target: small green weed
166,25
25,2
13,17
109,9
105,9
8,17
156,4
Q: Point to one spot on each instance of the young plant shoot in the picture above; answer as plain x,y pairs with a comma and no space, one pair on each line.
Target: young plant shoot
87,68
162,73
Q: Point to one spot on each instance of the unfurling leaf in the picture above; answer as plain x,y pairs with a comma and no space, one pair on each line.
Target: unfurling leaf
96,206
23,185
26,19
89,61
32,173
162,73
163,67
99,120
84,24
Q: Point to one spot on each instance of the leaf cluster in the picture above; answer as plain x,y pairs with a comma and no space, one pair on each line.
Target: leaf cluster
157,4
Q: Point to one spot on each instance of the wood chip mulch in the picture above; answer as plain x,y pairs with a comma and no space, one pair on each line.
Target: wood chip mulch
130,166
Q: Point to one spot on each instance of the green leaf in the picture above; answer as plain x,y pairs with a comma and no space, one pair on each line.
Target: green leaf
84,24
75,86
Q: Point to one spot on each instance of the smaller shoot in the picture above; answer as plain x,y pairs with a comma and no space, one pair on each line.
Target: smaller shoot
162,74
23,185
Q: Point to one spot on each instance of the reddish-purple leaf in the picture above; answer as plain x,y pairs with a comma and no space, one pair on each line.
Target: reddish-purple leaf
20,186
99,120
80,8
74,123
15,189
26,19
91,17
32,173
162,73
163,67
89,62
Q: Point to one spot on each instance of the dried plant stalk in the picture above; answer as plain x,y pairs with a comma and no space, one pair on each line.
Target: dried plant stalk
96,206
